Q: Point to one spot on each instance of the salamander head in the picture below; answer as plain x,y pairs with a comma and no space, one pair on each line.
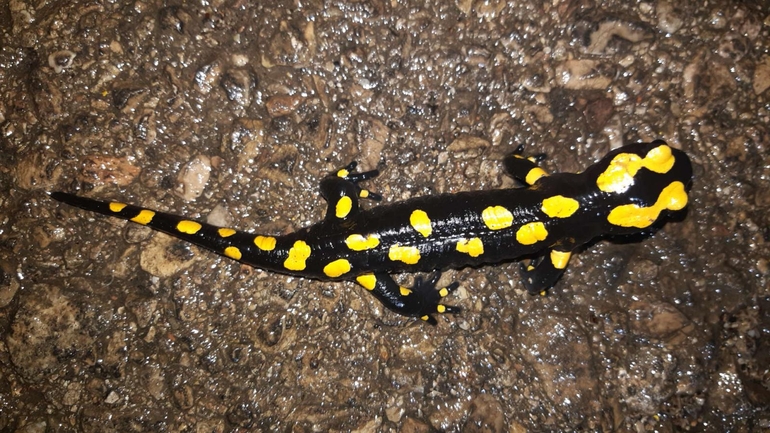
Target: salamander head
642,181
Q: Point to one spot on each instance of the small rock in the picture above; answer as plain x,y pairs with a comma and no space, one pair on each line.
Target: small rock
581,75
597,113
127,99
61,60
164,256
173,17
33,427
100,170
281,105
219,217
193,178
112,398
47,333
761,80
610,29
36,171
238,85
9,285
668,19
206,76
467,142
372,146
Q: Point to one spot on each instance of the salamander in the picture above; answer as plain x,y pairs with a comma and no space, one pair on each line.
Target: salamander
545,219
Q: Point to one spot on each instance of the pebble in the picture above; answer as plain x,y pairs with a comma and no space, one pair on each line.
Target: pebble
761,79
193,178
281,105
61,60
100,170
581,75
668,19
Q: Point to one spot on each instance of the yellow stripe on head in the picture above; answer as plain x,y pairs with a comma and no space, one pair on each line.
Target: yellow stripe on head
673,197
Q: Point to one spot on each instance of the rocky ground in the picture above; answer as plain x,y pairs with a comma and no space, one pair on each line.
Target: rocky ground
231,112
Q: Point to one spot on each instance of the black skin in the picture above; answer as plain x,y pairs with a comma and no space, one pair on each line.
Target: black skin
452,217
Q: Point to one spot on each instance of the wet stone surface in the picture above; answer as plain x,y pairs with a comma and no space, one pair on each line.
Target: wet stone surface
232,111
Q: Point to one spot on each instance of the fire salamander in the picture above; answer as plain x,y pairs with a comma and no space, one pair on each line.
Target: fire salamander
548,218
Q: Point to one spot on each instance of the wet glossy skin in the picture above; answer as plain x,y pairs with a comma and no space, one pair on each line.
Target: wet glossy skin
624,193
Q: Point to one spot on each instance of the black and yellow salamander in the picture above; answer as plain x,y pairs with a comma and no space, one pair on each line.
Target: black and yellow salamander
547,219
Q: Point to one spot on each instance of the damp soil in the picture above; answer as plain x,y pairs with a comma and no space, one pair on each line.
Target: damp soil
231,112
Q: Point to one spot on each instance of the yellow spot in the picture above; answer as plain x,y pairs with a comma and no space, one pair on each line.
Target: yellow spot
404,291
189,227
144,217
408,255
673,197
559,206
265,243
233,253
357,242
660,159
497,217
560,259
420,222
534,175
343,173
363,194
473,247
116,206
619,175
344,206
368,281
443,292
425,317
440,308
337,268
531,233
298,254
225,232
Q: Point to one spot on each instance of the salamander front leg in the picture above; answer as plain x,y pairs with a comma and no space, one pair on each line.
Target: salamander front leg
422,300
542,274
524,169
342,192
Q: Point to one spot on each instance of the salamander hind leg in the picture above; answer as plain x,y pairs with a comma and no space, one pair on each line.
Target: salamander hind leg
342,192
543,273
524,169
423,300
